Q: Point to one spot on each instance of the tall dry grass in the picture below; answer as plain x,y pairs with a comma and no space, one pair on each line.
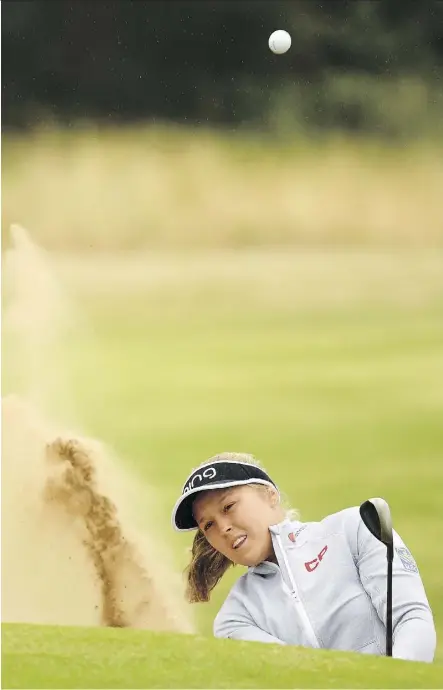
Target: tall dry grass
163,187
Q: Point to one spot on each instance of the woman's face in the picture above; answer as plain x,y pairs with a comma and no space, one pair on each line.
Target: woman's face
236,522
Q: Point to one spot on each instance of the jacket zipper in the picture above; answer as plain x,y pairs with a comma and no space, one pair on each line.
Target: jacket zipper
296,599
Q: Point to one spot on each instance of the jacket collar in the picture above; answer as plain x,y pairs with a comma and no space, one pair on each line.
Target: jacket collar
287,531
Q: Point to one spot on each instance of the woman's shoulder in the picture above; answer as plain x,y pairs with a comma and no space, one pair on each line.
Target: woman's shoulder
345,522
337,521
345,516
234,600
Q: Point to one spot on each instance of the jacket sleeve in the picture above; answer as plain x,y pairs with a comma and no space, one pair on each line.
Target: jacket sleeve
234,622
414,635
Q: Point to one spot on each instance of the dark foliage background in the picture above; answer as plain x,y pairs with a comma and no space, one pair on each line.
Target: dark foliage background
362,65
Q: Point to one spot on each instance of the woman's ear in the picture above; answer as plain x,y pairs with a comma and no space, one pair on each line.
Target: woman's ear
275,498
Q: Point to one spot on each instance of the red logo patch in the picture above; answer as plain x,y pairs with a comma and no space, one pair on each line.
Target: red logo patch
312,565
291,536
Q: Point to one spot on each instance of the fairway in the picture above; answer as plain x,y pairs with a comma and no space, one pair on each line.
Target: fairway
325,365
81,658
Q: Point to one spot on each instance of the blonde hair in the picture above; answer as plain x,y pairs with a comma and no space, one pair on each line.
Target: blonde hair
207,565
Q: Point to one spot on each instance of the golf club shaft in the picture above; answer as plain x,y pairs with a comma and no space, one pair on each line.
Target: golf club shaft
390,556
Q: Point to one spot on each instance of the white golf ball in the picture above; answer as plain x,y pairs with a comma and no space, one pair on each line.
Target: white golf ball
279,42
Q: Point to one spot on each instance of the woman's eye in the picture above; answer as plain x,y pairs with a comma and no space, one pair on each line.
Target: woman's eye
229,506
207,526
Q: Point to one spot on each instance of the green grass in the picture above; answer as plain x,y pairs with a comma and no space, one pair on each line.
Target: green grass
326,366
51,657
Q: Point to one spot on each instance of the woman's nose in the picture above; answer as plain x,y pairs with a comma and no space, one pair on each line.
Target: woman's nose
225,526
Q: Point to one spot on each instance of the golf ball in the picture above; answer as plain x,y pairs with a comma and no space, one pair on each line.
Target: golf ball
279,42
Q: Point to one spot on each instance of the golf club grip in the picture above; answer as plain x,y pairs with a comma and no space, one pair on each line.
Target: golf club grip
389,606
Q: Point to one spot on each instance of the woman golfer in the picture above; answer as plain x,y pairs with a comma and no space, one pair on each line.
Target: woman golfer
314,584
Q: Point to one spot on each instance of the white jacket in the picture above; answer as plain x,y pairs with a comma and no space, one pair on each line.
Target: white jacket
329,591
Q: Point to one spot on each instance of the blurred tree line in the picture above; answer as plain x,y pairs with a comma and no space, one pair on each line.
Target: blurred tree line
364,65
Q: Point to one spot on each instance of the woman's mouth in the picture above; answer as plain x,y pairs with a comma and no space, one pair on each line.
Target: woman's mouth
239,541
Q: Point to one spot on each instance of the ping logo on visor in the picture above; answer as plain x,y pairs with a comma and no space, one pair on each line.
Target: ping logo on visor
208,473
221,474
